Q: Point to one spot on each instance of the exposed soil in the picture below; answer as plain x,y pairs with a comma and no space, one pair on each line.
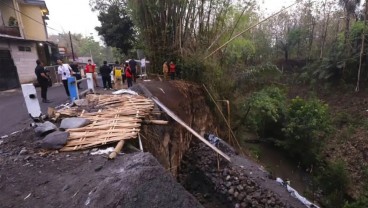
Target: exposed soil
82,180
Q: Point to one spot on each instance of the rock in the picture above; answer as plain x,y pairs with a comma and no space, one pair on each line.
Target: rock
241,196
225,172
228,184
43,129
54,141
236,194
243,205
237,205
71,123
28,158
228,177
66,187
231,191
98,168
240,188
23,151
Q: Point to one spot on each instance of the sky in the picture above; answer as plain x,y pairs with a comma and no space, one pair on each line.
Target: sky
76,15
72,15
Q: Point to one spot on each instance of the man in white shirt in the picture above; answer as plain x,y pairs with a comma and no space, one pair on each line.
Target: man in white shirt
65,71
143,67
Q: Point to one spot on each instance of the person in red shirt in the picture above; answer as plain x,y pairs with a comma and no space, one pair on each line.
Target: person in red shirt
90,68
172,69
129,75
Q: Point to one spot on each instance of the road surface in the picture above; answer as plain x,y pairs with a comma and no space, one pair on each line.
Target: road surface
14,115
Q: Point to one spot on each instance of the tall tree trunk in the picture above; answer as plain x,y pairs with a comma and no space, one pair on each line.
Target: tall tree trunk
362,46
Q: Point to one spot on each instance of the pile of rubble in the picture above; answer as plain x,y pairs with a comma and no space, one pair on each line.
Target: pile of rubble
239,186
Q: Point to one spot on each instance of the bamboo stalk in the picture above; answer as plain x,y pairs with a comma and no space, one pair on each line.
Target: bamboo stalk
117,149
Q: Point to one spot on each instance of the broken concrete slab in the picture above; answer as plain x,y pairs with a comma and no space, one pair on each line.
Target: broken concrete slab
45,128
54,141
72,123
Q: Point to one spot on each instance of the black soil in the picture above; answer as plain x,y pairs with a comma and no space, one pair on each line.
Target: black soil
39,179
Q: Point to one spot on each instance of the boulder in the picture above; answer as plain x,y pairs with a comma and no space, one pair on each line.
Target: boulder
43,129
71,123
54,141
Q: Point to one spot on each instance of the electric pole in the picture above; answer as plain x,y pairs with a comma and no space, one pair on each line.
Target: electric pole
71,44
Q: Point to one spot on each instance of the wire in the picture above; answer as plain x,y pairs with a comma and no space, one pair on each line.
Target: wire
42,23
242,32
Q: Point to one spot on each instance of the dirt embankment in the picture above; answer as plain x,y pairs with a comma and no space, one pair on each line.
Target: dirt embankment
82,180
348,142
238,184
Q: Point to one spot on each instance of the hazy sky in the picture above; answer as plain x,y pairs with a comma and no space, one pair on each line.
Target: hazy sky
76,15
71,15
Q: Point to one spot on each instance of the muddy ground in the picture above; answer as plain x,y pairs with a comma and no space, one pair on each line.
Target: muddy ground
30,177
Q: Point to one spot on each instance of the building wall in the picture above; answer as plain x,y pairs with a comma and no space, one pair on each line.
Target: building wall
6,11
33,30
24,60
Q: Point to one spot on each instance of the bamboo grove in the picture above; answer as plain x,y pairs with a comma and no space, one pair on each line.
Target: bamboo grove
328,36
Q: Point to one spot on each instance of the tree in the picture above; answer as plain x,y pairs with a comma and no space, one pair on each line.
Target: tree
349,8
116,27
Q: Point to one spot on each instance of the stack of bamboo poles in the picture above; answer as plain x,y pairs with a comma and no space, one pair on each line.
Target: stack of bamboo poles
118,119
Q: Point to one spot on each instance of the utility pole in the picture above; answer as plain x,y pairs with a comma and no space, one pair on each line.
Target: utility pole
71,44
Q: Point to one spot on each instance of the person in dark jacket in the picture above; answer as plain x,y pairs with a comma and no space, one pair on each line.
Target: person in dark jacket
133,68
43,80
105,73
77,74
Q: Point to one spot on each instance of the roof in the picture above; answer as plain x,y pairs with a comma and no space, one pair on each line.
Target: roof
40,3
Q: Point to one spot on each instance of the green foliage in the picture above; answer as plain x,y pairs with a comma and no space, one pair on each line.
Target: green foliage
307,124
191,69
357,29
267,107
258,75
116,28
334,181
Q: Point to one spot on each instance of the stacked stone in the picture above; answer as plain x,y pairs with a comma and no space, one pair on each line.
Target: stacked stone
232,181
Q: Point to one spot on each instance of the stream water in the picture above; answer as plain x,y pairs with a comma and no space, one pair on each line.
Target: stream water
277,163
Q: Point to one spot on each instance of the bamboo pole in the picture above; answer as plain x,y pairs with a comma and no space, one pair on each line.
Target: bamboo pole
249,28
173,116
228,124
117,150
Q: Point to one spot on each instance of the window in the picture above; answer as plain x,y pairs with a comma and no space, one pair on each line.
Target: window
24,48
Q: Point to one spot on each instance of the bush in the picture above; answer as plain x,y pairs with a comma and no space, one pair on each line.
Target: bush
334,181
266,110
307,124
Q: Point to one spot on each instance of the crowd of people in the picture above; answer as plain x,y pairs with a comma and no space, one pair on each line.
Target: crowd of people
114,77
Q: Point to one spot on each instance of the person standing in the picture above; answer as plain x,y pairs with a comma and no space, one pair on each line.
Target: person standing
143,68
65,71
129,75
165,69
133,68
91,68
43,80
76,72
123,66
118,76
172,68
106,78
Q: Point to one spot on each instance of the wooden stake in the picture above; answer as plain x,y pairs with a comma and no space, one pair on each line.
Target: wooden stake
117,150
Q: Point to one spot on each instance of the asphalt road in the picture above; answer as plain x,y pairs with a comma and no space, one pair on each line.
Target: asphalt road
13,111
